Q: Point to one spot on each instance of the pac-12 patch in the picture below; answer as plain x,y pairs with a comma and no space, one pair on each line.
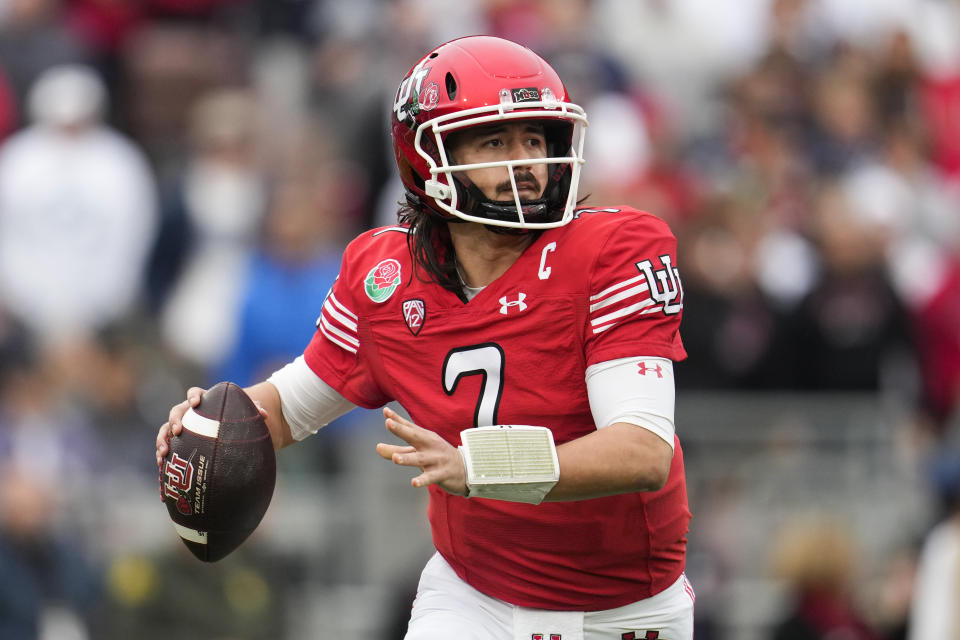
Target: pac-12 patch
414,313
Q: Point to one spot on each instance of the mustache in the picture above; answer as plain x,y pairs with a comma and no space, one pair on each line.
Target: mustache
520,177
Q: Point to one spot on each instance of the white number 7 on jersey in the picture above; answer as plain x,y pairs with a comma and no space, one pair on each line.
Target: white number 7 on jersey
486,360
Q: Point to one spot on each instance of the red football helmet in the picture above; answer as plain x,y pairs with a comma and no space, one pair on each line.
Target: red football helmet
475,81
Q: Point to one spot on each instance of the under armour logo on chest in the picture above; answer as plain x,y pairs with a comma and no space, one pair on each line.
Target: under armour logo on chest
506,304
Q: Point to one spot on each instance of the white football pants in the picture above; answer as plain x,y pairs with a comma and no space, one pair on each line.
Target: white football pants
447,607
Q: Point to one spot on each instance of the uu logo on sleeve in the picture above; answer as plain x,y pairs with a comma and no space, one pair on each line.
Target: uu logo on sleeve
382,280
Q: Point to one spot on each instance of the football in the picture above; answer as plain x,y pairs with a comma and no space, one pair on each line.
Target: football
218,476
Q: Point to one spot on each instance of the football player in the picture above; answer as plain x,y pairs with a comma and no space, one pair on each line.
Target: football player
532,344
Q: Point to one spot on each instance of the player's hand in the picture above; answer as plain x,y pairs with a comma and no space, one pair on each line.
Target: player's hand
438,460
173,426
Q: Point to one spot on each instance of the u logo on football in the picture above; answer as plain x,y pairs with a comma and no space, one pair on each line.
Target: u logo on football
179,474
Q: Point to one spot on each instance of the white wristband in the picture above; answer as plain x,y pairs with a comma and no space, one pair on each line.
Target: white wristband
517,463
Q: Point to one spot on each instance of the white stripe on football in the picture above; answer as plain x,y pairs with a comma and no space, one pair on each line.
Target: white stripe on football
200,425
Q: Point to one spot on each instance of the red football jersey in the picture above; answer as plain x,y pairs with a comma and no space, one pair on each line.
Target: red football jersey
605,286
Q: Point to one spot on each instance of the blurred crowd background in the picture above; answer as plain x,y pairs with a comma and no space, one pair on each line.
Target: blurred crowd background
178,179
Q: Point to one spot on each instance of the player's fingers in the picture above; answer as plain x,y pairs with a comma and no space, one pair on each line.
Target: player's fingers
412,459
393,415
439,476
176,416
427,478
419,481
386,451
263,412
408,432
193,395
163,436
177,412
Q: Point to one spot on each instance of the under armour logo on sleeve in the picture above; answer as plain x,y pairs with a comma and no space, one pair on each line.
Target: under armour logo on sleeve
643,369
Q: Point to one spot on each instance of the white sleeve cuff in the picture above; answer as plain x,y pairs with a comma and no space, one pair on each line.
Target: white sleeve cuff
638,390
308,403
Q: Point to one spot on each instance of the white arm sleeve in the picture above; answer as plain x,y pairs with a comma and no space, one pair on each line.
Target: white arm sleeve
635,390
308,402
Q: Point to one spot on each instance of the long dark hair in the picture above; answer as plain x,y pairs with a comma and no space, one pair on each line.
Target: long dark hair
430,246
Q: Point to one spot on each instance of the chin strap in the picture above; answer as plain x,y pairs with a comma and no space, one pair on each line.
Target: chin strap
475,203
508,210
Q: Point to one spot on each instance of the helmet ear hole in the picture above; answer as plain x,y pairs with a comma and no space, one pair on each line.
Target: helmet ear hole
451,84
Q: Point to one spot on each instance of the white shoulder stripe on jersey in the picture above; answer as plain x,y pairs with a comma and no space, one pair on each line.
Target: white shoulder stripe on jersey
617,286
337,332
335,315
623,295
334,339
340,306
612,317
338,324
619,313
